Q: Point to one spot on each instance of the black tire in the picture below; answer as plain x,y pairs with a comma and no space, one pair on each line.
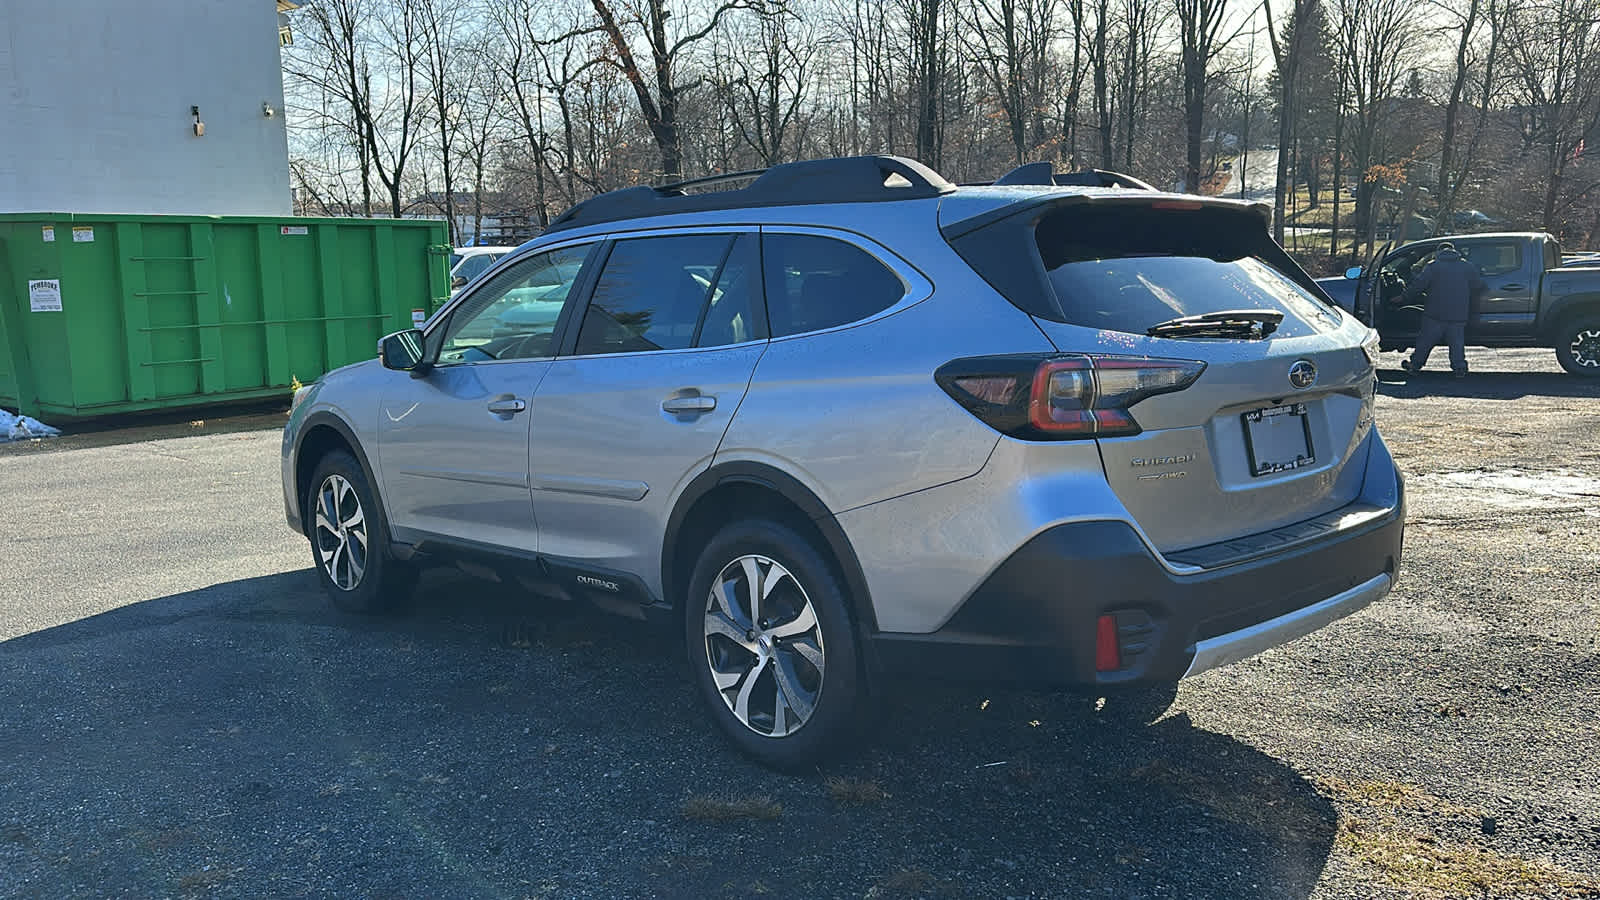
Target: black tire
1578,345
767,650
358,579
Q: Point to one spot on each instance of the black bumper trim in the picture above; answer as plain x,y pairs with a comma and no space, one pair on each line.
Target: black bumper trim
1033,620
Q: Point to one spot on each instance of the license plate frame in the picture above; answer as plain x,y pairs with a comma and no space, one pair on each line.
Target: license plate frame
1256,421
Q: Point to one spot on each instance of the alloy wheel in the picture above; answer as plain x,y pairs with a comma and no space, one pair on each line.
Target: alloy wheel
764,646
1586,348
341,533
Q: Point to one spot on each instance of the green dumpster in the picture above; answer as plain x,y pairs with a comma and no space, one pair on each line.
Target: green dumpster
103,314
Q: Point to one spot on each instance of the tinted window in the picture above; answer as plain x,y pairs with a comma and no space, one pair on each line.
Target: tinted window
1499,258
1129,269
473,266
514,315
733,315
653,291
1130,294
817,282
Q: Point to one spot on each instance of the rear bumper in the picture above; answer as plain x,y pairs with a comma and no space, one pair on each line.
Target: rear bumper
1033,621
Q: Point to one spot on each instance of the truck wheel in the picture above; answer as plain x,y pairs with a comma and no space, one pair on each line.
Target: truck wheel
350,540
1578,345
771,645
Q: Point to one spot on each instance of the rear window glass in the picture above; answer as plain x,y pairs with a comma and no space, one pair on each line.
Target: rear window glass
1129,269
1132,293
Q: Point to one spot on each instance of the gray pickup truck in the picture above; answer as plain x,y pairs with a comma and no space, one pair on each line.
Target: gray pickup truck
1531,298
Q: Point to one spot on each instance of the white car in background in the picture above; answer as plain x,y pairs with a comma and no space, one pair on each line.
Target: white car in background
467,263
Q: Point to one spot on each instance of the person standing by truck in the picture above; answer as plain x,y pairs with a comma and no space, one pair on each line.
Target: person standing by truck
1451,283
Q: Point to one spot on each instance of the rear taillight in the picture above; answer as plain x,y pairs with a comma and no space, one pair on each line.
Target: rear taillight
1057,397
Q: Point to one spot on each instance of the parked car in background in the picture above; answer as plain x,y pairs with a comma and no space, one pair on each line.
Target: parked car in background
852,422
1531,299
1468,220
467,263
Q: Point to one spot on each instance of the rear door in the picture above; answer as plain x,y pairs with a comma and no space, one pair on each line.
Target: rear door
1510,268
1271,432
642,395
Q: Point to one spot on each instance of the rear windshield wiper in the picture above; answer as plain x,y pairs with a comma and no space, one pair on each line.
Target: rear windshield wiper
1241,323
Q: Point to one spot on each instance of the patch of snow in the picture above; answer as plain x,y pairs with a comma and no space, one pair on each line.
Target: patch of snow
22,428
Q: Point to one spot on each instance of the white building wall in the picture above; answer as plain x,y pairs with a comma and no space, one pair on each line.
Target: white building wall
95,100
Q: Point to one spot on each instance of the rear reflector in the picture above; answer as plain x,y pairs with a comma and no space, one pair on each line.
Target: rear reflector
1107,655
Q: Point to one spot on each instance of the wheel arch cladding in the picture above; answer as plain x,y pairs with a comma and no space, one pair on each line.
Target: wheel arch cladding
322,434
733,491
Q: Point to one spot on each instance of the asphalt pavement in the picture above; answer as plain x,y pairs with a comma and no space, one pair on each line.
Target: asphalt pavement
182,714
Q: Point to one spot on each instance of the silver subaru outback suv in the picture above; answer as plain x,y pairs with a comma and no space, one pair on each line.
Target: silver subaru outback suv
851,422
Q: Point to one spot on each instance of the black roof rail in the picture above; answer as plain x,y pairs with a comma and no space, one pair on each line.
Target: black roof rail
850,179
1045,173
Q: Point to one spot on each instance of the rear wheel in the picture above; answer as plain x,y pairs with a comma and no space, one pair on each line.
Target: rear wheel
771,646
350,539
1578,345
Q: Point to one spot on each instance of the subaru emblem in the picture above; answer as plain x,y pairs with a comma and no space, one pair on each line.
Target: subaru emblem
1302,374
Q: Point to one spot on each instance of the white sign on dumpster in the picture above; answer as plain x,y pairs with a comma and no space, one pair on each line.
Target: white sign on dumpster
44,295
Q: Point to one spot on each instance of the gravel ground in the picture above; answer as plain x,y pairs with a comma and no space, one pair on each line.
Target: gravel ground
181,714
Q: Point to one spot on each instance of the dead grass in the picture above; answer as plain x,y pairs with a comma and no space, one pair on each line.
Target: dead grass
714,808
853,791
1434,868
1383,836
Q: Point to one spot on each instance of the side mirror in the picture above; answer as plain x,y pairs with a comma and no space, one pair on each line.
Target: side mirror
457,282
1353,272
402,350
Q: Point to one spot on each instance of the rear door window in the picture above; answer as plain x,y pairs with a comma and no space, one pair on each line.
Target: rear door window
671,293
816,282
1494,258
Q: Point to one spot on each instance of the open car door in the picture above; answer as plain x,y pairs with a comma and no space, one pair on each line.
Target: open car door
1368,306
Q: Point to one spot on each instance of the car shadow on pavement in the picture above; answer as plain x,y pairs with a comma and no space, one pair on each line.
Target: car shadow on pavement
245,738
1485,385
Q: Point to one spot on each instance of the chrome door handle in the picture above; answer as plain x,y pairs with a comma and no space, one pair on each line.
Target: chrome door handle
696,404
506,407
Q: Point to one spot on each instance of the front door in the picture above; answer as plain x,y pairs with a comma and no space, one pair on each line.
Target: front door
453,439
640,400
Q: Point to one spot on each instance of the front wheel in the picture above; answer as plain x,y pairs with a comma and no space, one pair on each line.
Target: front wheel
771,646
350,539
1578,345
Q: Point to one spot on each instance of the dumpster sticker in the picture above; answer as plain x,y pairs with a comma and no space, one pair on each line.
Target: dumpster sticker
45,295
49,232
418,317
82,234
294,229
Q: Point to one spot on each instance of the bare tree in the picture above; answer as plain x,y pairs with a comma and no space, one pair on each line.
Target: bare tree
658,88
450,83
1009,41
1287,52
1201,38
764,80
1379,41
1555,49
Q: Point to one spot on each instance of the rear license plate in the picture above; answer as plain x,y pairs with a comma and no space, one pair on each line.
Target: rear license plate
1278,439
